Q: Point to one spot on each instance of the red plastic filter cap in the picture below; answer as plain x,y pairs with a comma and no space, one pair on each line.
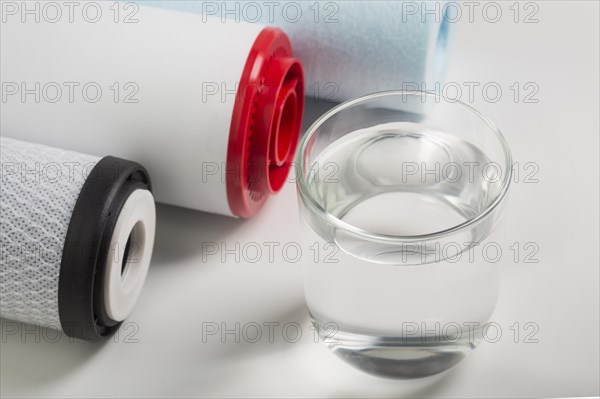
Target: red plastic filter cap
266,123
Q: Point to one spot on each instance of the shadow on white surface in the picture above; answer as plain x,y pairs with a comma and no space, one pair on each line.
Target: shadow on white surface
181,232
36,356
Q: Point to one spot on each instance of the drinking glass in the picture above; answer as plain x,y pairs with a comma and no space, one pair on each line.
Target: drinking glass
398,192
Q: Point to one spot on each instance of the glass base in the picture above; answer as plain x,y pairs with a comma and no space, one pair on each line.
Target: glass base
399,357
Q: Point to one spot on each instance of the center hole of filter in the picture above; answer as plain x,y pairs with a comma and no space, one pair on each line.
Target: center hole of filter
128,252
286,129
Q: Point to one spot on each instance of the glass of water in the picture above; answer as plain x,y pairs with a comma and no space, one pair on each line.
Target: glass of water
397,192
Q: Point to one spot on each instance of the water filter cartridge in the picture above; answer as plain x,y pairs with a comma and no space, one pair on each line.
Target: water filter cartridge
212,109
353,48
77,233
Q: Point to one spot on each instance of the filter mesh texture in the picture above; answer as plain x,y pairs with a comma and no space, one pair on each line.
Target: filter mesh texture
40,186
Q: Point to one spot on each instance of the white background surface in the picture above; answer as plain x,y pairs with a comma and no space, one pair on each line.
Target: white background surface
560,293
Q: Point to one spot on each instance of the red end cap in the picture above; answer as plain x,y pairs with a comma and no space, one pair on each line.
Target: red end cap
266,123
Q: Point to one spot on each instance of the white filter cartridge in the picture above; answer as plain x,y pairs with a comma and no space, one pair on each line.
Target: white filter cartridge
212,109
77,233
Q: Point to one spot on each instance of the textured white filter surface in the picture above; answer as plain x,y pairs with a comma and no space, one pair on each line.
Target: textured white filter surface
40,186
351,48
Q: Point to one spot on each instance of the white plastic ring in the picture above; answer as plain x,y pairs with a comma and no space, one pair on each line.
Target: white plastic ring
129,256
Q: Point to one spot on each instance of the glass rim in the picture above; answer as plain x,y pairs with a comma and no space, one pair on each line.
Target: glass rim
340,224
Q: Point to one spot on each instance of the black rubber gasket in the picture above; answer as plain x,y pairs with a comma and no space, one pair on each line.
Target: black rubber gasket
87,245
